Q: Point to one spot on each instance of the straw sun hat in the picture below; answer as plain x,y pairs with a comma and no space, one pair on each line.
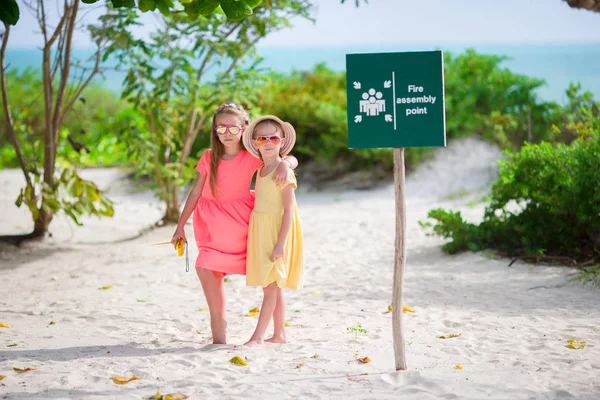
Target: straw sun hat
289,135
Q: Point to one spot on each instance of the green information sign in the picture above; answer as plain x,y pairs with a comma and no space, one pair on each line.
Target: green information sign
396,100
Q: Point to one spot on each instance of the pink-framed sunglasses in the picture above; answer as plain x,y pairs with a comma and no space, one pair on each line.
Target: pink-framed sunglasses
274,140
222,129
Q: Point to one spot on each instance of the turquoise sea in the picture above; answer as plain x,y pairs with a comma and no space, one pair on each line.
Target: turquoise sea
557,64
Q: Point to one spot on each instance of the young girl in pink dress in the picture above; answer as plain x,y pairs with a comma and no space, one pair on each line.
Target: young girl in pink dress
221,202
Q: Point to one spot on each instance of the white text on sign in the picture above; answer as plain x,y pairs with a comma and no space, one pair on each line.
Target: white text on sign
428,99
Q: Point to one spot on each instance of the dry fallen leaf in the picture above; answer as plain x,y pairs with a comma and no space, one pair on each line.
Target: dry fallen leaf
237,360
287,323
105,287
405,309
299,366
12,345
202,309
121,380
24,369
301,359
3,325
2,377
52,323
254,312
315,356
174,396
170,396
576,344
459,366
450,336
364,360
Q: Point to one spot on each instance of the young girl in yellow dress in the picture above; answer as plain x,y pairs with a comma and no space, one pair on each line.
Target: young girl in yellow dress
274,259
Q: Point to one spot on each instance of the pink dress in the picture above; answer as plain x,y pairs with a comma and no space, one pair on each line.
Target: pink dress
221,223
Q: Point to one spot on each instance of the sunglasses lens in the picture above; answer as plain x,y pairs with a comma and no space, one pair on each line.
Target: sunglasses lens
234,130
220,129
275,140
261,140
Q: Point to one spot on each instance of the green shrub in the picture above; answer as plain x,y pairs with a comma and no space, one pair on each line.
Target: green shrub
88,124
546,202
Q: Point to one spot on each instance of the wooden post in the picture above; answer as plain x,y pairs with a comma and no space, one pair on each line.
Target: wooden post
399,260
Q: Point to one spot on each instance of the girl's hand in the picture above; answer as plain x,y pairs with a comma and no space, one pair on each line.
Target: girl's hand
281,172
277,253
179,234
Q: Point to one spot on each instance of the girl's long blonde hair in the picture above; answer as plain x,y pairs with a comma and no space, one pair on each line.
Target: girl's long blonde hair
217,148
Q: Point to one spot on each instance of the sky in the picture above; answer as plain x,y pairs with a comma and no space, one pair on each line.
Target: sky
436,22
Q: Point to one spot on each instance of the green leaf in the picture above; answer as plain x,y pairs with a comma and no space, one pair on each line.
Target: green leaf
89,1
51,205
19,199
70,212
91,192
9,12
71,187
202,7
191,9
253,3
164,6
147,5
235,10
123,3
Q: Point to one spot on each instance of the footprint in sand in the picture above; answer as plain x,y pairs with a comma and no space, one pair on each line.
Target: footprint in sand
216,347
184,363
536,347
451,324
109,328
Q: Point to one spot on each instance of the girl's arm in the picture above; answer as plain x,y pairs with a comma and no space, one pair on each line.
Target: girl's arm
188,209
288,162
289,198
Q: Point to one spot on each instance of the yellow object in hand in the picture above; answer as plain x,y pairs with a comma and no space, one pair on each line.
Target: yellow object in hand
180,246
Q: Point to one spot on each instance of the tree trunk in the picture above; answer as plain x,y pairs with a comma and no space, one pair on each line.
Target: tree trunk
172,213
44,217
53,106
41,224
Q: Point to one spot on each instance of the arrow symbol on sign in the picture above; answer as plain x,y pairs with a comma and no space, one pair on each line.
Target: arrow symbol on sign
387,84
388,118
357,119
356,85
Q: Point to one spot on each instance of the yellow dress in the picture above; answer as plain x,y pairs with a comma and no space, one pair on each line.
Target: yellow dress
265,224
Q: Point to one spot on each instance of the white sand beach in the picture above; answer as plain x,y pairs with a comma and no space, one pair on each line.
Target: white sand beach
514,322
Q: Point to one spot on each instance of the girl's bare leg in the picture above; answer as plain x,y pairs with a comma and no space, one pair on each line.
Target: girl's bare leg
266,312
279,320
214,291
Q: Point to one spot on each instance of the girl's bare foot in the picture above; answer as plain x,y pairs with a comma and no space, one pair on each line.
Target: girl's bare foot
253,342
277,339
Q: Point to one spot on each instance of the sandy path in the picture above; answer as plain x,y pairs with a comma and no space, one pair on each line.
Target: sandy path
514,322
